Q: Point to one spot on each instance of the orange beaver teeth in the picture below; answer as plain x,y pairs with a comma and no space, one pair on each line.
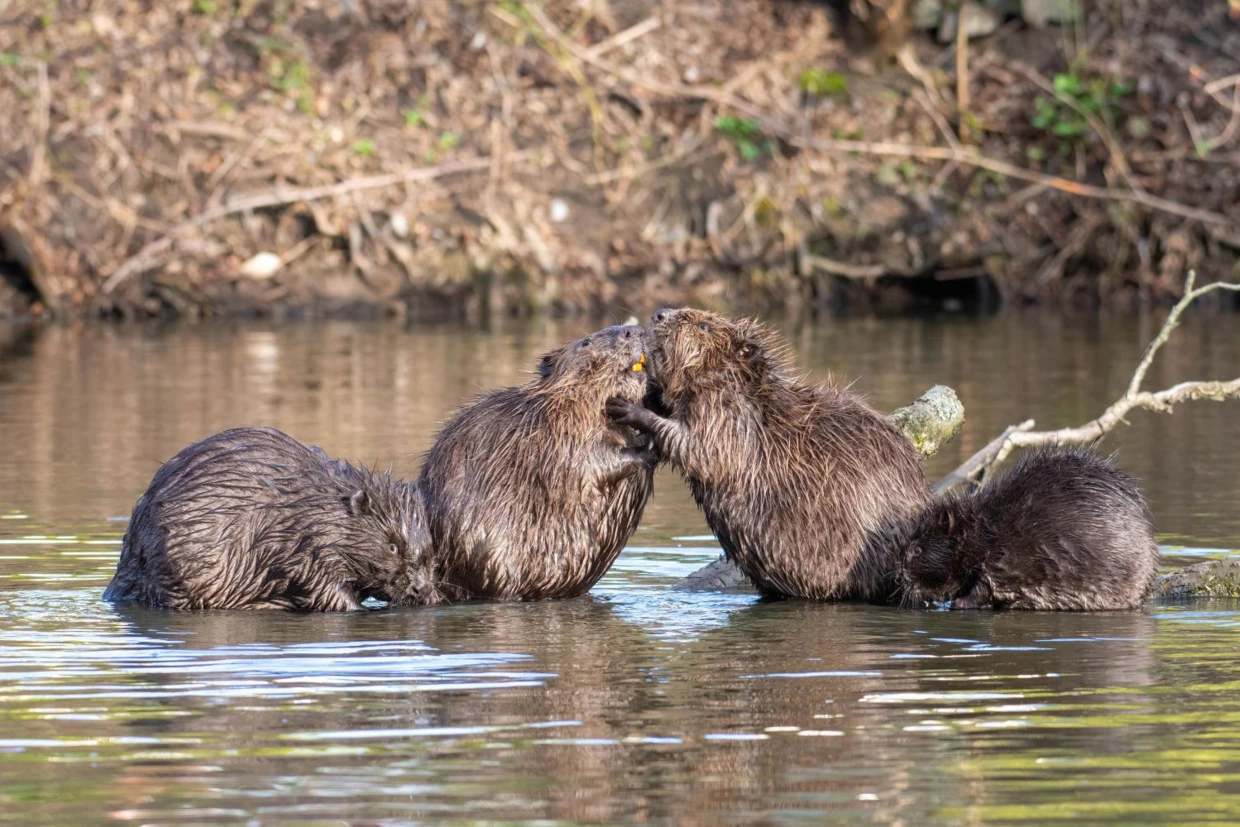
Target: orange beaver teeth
638,365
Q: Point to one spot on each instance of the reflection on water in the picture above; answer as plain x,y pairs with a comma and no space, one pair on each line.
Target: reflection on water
635,702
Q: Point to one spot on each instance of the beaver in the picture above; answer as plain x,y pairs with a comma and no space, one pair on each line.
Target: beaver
814,494
530,491
250,518
1063,529
799,483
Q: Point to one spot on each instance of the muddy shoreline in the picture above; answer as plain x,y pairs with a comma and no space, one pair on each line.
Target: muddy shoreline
464,160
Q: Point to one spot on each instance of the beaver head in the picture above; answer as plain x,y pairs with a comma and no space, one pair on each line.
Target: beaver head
608,363
390,555
942,558
692,350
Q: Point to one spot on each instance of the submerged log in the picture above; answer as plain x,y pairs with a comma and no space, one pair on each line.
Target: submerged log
930,423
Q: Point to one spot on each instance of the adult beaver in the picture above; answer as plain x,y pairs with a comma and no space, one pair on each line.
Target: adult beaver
531,491
250,518
797,482
809,490
1063,529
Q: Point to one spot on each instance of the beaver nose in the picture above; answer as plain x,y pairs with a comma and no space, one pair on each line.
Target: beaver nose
659,315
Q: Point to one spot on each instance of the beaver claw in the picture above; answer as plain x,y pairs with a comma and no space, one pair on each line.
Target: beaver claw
625,412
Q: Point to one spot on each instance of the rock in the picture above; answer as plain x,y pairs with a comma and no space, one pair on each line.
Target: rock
926,14
1210,578
399,225
1040,13
930,423
982,21
719,576
262,266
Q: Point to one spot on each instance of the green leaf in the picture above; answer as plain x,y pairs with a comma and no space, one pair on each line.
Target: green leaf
449,140
1069,129
748,149
1090,104
822,82
364,147
413,118
735,127
1044,112
1036,153
1067,84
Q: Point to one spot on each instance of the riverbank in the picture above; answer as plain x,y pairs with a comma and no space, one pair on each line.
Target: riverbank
464,159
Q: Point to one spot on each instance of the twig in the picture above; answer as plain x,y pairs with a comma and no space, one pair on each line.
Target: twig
962,66
216,181
630,34
1216,86
151,253
908,62
810,261
1205,147
976,159
979,461
38,152
1022,436
935,115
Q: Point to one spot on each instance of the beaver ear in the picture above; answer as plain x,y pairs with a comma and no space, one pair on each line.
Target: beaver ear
545,366
947,521
358,504
746,347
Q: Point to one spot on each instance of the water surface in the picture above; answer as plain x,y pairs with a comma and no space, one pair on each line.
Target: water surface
635,702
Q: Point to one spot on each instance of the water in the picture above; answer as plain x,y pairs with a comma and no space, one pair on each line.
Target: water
635,702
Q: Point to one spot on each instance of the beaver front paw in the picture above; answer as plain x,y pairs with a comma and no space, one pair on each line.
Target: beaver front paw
627,412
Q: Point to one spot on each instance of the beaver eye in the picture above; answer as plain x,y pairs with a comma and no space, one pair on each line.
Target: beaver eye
394,548
704,327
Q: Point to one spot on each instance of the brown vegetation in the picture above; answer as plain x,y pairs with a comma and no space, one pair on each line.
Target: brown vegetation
223,156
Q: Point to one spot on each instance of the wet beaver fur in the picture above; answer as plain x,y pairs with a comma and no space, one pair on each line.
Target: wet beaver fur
250,518
1063,529
814,494
799,483
532,491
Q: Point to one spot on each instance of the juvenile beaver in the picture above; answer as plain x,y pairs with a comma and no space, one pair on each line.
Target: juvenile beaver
1063,529
799,483
250,518
814,494
531,491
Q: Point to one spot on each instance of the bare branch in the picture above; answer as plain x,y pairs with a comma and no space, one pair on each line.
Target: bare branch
1023,435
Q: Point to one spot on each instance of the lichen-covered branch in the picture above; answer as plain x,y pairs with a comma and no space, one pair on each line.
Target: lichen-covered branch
932,421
